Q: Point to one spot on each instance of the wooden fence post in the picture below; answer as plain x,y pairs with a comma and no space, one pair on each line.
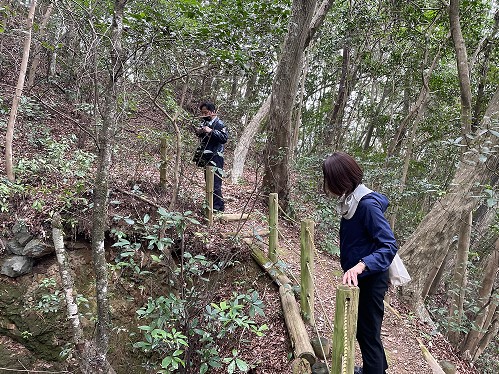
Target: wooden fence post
345,329
273,225
210,182
307,271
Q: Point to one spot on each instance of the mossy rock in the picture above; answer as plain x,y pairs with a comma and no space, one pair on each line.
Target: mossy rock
17,322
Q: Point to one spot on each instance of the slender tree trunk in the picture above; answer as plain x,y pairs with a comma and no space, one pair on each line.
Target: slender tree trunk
334,126
370,130
109,114
278,149
246,138
460,273
438,277
462,66
298,115
67,279
490,43
485,303
460,277
38,47
178,145
488,336
9,136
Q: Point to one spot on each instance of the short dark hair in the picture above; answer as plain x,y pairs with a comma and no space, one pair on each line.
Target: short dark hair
342,174
209,106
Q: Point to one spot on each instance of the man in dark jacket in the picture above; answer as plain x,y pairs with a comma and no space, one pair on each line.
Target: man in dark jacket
213,135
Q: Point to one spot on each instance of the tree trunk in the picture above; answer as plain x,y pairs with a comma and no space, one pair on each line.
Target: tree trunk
334,127
485,303
278,149
427,247
246,138
460,278
462,66
252,128
109,112
298,112
9,136
489,45
67,280
38,47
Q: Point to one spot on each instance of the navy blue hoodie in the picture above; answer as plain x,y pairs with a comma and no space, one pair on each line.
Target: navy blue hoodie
367,236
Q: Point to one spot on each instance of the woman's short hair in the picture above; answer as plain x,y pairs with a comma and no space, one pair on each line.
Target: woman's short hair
342,174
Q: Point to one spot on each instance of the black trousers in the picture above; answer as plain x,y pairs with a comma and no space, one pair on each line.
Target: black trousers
218,200
371,311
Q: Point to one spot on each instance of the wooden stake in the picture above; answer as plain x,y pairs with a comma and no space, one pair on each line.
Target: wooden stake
273,225
209,174
345,329
307,271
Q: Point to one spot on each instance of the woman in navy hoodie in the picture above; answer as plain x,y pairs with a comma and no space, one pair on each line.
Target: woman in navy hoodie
367,248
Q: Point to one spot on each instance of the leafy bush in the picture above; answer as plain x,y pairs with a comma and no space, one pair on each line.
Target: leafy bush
178,328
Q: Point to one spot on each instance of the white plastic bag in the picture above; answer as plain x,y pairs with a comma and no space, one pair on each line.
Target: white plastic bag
398,273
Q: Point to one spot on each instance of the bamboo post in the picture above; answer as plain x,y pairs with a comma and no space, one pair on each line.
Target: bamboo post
210,182
345,329
307,271
273,222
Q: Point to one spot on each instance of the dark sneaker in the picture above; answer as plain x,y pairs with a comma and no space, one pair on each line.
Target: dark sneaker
357,370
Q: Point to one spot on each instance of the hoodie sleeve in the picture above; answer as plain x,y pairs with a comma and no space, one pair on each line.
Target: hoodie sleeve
382,235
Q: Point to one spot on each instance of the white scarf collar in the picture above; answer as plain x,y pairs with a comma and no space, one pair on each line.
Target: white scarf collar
347,205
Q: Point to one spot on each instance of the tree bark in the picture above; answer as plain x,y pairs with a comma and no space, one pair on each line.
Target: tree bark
462,66
334,126
245,140
38,47
485,302
67,279
9,136
460,277
278,149
106,143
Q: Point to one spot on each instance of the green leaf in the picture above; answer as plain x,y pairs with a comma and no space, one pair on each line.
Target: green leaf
242,365
231,367
204,368
166,362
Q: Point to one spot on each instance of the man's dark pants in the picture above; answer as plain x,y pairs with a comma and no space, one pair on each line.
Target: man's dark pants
218,200
371,309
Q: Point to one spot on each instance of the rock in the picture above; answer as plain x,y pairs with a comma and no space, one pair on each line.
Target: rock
15,266
448,367
21,232
319,344
36,248
319,368
13,247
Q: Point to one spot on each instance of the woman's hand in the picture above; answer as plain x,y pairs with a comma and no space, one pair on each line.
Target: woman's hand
350,276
